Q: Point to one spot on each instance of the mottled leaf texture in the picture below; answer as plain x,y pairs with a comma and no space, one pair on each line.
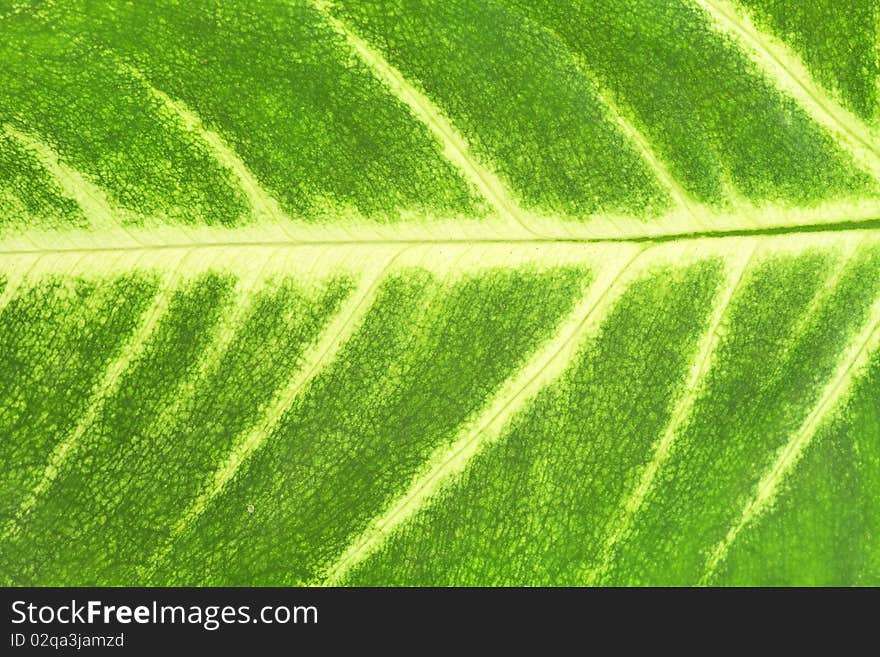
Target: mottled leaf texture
440,292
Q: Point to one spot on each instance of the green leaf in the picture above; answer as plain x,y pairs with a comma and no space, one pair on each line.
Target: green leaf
440,292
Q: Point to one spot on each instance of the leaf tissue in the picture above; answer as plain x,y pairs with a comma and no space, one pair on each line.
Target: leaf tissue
440,292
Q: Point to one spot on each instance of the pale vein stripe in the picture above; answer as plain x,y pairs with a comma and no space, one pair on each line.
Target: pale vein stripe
90,198
545,366
679,194
693,386
852,362
791,76
323,351
240,304
105,389
455,147
263,204
820,297
849,250
18,281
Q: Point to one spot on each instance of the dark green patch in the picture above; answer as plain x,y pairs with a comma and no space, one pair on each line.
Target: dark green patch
313,123
29,198
72,95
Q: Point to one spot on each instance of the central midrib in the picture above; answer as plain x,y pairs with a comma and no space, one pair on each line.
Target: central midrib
837,227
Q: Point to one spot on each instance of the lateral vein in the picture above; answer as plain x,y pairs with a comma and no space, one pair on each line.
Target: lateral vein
105,389
700,366
262,204
14,283
337,333
679,194
244,291
455,147
541,369
90,198
855,358
790,75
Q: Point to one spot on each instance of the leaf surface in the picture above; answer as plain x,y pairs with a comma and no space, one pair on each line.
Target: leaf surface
439,293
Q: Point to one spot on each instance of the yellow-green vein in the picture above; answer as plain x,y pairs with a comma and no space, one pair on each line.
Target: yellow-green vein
543,367
105,389
322,351
455,147
691,389
854,359
785,69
